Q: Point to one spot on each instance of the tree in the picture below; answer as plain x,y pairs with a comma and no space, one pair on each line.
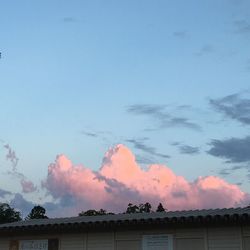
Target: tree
145,208
93,212
142,208
160,208
37,212
131,209
8,214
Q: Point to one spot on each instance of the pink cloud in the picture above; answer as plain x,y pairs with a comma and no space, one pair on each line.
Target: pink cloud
121,180
27,186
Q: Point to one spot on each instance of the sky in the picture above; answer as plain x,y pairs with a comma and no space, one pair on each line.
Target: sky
109,102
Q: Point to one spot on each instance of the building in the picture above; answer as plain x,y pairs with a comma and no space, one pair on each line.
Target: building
217,229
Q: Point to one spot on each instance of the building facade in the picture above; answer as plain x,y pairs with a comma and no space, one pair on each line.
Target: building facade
220,229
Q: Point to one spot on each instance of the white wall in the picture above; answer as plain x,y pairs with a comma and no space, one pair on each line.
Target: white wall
101,241
224,238
70,242
235,238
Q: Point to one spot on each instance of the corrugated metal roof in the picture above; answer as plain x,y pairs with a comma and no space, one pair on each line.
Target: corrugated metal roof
137,217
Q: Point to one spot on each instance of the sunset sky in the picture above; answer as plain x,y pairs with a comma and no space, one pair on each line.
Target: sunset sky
109,102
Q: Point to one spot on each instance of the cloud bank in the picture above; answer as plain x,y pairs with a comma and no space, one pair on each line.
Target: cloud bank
121,180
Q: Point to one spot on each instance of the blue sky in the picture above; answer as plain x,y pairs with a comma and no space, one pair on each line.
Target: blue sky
165,78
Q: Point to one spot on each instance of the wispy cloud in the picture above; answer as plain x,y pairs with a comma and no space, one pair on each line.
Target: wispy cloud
224,172
186,149
234,107
104,136
242,27
141,145
234,150
175,143
11,156
180,34
162,116
27,185
89,134
204,50
142,159
69,19
248,65
230,170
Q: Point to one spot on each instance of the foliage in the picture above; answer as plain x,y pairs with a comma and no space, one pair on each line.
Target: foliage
8,214
160,208
93,212
145,208
131,209
142,208
37,212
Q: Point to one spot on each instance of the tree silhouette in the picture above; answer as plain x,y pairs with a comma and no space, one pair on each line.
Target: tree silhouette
145,208
142,208
131,209
160,208
93,212
8,214
37,212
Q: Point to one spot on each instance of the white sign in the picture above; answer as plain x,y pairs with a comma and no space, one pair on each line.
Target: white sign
33,245
157,242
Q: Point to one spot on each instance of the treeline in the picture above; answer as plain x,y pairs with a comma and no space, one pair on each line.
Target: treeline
131,209
9,214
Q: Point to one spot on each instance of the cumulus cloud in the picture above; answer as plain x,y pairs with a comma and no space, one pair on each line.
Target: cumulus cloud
121,180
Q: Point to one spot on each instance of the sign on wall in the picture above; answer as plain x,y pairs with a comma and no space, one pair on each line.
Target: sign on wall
157,242
45,244
33,245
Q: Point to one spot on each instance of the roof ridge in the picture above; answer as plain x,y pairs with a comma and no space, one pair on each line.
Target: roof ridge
122,217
